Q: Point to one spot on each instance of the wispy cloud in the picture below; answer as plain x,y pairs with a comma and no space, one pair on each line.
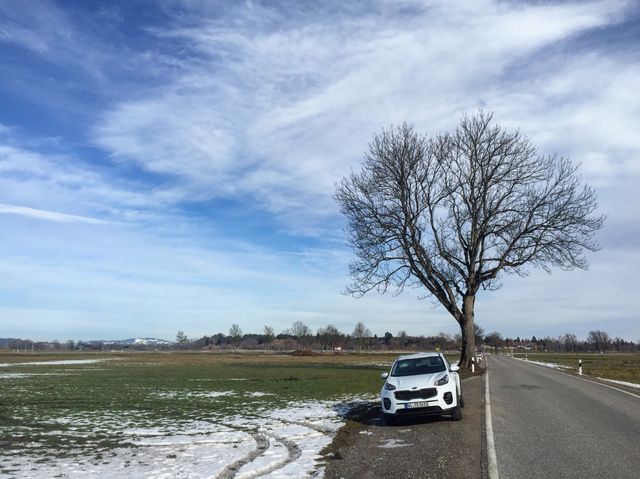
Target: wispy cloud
277,104
47,215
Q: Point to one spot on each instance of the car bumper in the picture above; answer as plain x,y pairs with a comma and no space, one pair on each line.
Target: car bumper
420,407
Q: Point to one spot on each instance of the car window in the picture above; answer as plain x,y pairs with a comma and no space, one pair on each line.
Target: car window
412,367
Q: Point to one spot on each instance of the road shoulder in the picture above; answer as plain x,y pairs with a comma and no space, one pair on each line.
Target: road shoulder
415,448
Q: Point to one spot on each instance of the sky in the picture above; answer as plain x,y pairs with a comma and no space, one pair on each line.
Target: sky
170,165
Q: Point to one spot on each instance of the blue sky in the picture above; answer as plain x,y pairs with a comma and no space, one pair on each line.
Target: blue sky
170,165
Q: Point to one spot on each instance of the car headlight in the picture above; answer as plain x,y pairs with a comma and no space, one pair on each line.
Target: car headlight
442,381
389,387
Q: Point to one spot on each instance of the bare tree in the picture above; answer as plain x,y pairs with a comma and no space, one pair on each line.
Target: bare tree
570,342
494,340
403,337
301,331
452,213
332,334
599,339
360,333
286,334
181,338
235,333
267,336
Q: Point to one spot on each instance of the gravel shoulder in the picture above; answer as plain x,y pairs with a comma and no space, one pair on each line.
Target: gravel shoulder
415,448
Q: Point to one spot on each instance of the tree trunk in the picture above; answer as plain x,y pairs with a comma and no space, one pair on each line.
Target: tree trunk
468,332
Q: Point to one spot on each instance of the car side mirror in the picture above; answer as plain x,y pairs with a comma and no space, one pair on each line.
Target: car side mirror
454,369
384,375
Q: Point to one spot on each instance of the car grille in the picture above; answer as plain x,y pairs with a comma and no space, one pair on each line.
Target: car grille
419,411
417,394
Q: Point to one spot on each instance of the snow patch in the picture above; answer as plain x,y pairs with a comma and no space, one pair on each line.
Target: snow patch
26,375
622,383
280,443
192,394
394,443
199,455
62,362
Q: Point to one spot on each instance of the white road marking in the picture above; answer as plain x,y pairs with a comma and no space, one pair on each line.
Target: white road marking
587,380
491,446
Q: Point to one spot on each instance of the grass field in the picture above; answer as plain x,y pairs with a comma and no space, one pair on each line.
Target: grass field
176,414
621,367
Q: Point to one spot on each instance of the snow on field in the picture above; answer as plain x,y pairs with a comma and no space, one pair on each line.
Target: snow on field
62,362
218,379
207,394
562,366
622,383
192,394
158,456
546,365
269,443
26,375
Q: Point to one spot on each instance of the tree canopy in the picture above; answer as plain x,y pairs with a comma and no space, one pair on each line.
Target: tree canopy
451,213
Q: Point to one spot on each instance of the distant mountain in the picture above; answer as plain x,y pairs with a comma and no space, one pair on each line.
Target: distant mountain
142,341
4,342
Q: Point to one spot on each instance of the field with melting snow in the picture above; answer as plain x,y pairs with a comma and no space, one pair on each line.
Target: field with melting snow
176,415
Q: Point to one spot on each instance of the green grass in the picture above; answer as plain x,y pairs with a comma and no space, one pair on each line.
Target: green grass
87,409
622,367
60,408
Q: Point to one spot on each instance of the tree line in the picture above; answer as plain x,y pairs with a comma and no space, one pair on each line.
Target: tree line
330,339
597,341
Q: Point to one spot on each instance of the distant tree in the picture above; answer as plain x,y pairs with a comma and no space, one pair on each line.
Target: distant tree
267,336
387,338
219,339
301,332
235,334
328,336
403,338
181,338
360,334
454,213
443,340
599,339
570,342
494,340
286,336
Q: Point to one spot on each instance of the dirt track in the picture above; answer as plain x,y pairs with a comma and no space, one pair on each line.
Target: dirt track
415,448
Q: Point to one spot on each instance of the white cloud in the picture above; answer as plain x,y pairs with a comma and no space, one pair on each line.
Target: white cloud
277,114
47,215
66,184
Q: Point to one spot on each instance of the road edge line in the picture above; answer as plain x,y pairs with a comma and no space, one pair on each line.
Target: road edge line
492,461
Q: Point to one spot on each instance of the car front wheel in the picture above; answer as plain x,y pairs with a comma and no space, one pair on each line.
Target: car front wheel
456,414
389,419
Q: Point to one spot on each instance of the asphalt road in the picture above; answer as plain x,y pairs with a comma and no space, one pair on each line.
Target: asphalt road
550,424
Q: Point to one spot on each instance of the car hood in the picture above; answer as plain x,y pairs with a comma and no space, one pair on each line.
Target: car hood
415,382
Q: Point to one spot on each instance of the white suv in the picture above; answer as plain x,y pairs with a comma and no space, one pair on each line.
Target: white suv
421,384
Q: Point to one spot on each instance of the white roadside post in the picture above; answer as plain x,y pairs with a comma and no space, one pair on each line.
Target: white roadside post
580,367
473,365
526,358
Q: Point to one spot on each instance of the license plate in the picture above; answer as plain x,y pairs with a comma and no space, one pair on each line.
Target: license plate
411,405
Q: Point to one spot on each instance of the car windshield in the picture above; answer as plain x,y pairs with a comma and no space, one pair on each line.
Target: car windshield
413,367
